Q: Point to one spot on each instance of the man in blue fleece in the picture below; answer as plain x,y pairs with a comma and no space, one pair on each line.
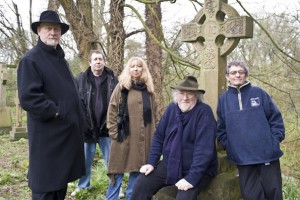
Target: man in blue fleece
185,138
250,129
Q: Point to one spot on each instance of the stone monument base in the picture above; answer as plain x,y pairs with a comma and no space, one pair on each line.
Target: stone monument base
5,130
17,133
224,186
5,121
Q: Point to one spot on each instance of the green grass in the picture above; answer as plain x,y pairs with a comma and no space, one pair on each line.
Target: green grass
14,165
290,188
99,183
290,163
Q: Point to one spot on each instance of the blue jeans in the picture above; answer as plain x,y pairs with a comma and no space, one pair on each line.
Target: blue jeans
89,152
114,189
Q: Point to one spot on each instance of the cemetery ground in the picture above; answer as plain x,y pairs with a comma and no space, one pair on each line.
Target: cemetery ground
13,173
14,164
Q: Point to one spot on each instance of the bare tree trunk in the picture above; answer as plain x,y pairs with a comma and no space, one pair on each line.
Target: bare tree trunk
53,4
81,23
154,53
116,34
98,18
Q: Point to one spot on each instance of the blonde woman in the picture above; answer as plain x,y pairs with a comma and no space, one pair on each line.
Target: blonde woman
131,124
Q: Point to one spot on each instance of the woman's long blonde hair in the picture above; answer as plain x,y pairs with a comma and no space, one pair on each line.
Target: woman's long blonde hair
125,78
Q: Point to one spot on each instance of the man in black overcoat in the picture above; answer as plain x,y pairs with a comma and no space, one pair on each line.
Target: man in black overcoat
54,114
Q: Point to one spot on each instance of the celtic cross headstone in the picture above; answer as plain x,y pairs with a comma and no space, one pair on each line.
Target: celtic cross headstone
215,32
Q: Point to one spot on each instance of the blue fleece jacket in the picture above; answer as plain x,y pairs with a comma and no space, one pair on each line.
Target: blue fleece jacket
250,129
198,142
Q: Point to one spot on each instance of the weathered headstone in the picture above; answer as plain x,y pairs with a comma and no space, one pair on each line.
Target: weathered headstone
18,130
5,117
215,32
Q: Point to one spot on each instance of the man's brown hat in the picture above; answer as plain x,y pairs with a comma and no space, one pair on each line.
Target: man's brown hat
188,83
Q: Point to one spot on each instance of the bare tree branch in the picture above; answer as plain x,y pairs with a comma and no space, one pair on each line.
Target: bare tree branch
175,56
268,34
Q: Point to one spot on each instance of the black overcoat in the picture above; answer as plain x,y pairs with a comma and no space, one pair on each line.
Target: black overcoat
46,86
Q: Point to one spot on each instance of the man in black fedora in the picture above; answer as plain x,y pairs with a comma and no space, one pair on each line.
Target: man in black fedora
185,138
54,114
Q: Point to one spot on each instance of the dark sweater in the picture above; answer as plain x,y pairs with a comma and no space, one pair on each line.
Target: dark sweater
198,142
87,91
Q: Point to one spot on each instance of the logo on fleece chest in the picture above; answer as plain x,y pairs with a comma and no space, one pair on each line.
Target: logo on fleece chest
254,102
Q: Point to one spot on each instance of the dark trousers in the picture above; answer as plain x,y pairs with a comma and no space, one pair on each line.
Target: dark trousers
147,186
54,195
261,181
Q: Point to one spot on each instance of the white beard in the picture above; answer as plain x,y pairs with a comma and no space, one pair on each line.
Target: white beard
52,42
185,107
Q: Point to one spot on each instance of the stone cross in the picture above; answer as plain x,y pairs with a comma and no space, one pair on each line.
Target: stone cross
3,80
18,111
214,33
18,130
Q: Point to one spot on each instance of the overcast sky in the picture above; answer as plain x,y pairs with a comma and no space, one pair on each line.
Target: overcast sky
181,8
182,11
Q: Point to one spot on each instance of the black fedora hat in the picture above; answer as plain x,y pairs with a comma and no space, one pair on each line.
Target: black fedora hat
50,16
188,83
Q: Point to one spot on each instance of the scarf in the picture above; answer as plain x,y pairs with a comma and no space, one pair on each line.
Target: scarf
147,114
123,117
173,143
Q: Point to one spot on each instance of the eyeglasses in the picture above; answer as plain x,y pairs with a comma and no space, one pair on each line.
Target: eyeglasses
241,72
186,94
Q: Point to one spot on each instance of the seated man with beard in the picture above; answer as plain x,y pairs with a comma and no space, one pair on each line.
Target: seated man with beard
185,138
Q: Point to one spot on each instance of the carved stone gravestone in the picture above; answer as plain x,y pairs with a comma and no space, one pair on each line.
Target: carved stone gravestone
5,117
215,32
18,130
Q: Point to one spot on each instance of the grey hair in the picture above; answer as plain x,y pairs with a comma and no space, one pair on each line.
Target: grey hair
198,94
237,63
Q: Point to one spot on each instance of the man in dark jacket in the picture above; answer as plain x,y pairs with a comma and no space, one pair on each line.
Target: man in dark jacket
95,87
250,129
185,139
48,93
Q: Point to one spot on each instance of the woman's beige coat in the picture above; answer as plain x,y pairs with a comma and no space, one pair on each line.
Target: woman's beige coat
132,153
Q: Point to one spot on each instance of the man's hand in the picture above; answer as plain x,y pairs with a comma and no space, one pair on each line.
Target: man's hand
183,185
146,169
